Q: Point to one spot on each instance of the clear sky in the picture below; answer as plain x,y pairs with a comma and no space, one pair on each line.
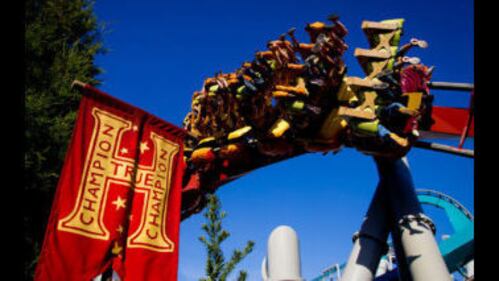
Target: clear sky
161,51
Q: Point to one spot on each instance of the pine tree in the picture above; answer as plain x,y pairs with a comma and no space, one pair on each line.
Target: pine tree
62,39
217,269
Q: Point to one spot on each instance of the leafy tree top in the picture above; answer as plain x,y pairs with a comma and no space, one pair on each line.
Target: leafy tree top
217,267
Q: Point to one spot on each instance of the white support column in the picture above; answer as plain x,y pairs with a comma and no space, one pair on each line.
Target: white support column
413,232
283,261
370,242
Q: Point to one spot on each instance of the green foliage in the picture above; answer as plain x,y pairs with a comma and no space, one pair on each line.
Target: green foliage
62,39
217,268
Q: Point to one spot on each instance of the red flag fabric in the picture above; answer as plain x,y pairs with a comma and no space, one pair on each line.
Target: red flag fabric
450,120
118,198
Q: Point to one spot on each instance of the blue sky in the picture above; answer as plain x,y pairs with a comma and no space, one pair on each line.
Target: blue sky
161,51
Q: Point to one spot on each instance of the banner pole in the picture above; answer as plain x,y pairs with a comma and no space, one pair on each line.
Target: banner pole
445,148
78,83
452,86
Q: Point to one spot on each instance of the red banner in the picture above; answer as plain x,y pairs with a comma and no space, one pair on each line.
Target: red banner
118,199
449,120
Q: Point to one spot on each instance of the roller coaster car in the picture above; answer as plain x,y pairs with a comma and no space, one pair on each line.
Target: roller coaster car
274,108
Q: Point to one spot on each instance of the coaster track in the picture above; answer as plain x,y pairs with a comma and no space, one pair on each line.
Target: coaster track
295,98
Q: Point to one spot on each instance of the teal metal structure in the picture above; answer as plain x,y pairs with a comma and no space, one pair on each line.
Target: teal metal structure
458,249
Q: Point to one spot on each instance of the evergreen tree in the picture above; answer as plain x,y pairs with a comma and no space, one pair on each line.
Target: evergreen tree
217,269
62,39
